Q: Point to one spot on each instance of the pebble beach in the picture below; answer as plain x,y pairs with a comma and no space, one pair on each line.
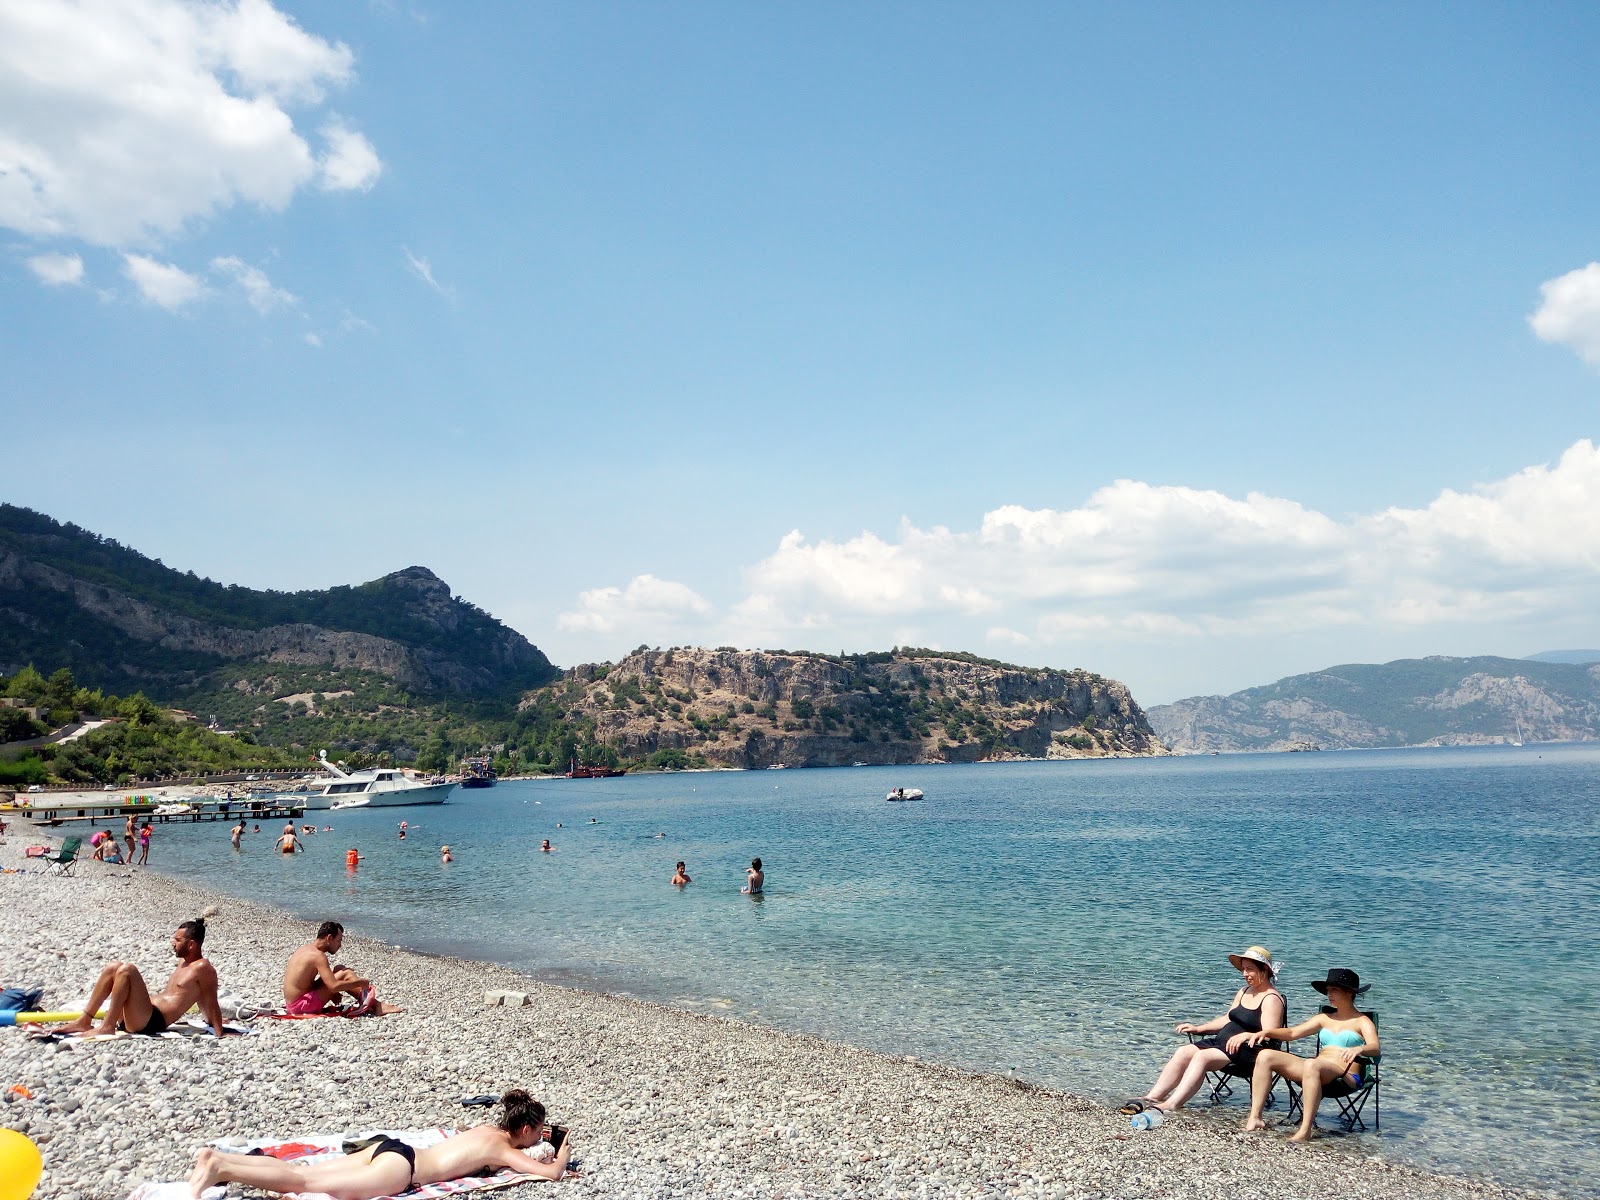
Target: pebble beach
661,1102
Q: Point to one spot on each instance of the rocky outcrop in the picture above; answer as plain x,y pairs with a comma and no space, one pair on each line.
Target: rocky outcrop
751,708
1436,701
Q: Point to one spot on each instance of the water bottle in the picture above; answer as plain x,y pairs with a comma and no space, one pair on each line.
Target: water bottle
1148,1119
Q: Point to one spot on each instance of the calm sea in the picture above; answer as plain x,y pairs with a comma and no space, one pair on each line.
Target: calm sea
1048,919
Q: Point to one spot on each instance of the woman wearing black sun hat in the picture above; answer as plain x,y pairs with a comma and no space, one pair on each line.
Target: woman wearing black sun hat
1343,1036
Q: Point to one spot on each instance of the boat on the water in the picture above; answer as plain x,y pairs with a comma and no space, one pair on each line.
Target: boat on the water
351,802
379,787
575,771
477,773
900,794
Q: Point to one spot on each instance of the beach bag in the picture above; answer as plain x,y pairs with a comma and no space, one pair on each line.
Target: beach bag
20,999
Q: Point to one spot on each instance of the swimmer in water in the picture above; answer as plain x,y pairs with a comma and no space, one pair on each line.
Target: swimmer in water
755,878
681,875
444,854
547,847
402,831
288,843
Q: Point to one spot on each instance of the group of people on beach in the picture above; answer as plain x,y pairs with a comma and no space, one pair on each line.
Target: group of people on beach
1347,1043
314,985
107,850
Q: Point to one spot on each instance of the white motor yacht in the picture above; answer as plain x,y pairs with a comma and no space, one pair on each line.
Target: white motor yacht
379,787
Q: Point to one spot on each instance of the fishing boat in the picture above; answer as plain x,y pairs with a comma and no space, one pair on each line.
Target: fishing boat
477,773
574,771
380,787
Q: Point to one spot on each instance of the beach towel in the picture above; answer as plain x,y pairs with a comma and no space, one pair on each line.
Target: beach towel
320,1147
181,1030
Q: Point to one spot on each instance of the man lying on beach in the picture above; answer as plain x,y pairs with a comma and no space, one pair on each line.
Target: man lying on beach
312,984
391,1166
129,1005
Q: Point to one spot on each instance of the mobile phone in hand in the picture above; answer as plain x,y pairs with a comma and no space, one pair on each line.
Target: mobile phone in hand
555,1135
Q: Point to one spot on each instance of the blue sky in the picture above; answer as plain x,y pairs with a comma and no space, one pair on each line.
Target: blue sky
1193,347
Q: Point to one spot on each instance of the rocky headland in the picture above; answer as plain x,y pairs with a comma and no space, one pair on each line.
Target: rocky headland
754,708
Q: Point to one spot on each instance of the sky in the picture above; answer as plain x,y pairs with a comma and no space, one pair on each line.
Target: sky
1193,345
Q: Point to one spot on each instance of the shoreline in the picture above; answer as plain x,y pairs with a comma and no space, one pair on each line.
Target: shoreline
662,1101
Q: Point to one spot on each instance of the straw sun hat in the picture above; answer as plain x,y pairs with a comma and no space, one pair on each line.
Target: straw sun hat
1255,954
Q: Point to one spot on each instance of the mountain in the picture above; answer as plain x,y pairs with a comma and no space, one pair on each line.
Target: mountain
1566,656
1434,701
752,708
120,620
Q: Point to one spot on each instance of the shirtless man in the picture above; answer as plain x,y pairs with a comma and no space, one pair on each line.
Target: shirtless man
313,984
129,1004
288,843
238,833
681,875
392,1166
127,836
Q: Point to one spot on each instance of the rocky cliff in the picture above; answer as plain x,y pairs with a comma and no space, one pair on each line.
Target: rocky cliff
1435,701
69,598
754,708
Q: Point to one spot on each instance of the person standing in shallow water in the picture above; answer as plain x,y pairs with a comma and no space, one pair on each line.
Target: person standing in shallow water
681,875
755,878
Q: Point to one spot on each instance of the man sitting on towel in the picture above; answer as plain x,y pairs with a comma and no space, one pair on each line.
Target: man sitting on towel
129,1004
312,984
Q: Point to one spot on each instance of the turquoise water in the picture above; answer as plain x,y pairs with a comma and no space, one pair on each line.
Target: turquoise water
1051,919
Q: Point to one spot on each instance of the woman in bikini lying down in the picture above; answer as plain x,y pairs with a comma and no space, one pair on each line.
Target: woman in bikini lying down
1344,1036
391,1166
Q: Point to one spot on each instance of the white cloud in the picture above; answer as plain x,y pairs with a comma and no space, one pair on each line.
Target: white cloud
646,603
351,163
1164,574
123,121
257,288
1569,312
57,269
423,270
314,339
162,283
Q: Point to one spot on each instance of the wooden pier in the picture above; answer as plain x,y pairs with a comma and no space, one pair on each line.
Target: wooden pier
111,811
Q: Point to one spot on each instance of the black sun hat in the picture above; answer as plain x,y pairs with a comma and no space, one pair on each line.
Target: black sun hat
1342,977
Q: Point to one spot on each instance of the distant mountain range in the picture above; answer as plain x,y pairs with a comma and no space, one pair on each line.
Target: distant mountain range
125,622
1435,701
1566,656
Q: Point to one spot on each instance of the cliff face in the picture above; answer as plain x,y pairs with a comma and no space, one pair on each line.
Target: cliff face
762,709
1411,702
115,617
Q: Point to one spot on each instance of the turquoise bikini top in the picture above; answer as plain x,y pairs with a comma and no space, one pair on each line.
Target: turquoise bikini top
1344,1039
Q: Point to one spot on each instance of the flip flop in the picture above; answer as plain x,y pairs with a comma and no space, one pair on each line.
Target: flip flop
1134,1107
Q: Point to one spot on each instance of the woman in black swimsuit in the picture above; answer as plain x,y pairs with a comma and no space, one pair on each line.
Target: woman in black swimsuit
1257,1005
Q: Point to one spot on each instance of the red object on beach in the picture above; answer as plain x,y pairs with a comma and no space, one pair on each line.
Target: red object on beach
288,1150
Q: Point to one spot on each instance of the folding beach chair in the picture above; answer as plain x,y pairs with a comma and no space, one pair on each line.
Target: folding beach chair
64,859
1351,1101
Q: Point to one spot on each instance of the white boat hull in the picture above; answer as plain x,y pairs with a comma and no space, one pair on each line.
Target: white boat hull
395,798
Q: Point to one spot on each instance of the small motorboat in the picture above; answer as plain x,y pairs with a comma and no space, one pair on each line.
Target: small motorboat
901,794
172,810
353,802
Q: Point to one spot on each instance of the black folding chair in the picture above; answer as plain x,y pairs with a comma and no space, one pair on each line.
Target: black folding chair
1221,1078
1351,1101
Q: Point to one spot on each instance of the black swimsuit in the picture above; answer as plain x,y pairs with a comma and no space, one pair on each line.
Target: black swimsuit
404,1150
156,1024
1240,1020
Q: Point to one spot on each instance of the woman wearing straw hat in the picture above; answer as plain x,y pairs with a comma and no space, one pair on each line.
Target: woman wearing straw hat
1256,1005
1343,1036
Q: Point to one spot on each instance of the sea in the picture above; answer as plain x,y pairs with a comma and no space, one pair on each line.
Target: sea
1049,921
